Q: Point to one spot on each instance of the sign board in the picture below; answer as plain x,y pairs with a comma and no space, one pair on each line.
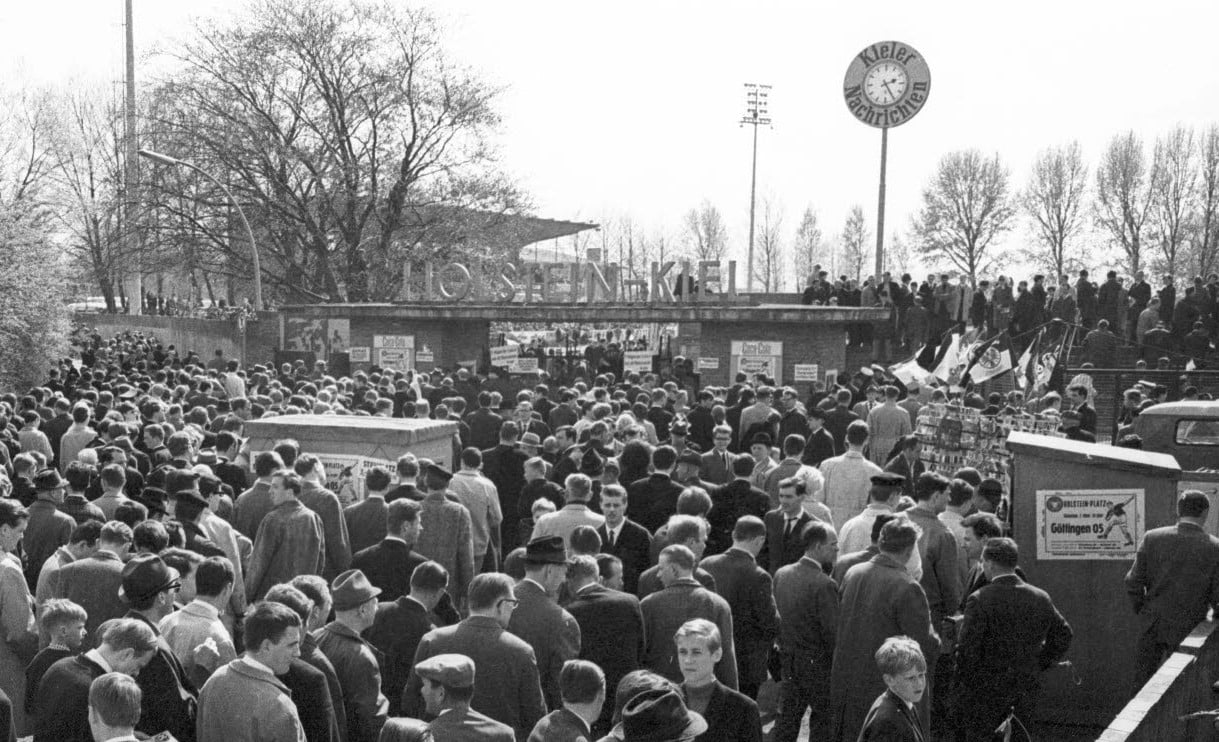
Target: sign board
886,84
1090,524
523,366
393,341
394,358
504,354
360,354
639,361
758,357
805,372
425,356
831,377
708,364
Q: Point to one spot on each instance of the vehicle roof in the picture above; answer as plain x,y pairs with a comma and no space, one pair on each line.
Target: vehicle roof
1204,409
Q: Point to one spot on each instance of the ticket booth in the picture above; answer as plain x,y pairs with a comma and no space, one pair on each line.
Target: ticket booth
1079,512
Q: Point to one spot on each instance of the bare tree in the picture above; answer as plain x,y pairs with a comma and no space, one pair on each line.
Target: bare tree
898,256
1124,195
1054,201
1174,173
965,207
1205,242
854,243
807,248
706,235
768,257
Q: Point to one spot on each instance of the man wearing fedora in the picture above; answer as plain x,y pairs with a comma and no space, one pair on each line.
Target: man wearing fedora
551,631
290,539
355,661
447,687
170,697
507,688
48,528
659,715
447,535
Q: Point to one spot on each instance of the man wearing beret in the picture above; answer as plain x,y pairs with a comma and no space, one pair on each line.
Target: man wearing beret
551,631
447,687
356,662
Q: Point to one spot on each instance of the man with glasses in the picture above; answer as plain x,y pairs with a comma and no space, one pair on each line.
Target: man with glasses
170,698
507,687
717,463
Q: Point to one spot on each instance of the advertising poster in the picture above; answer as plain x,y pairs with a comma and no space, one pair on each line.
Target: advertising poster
523,366
345,474
361,354
708,364
394,351
1089,524
338,332
307,335
758,357
504,355
639,361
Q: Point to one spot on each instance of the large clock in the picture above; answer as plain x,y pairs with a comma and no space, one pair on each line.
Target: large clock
886,84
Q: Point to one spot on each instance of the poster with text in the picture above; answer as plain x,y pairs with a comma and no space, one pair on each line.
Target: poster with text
751,357
1090,524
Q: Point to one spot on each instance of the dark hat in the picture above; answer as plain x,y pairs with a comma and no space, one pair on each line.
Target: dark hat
352,589
888,479
145,576
690,457
531,439
679,427
762,439
660,715
591,463
990,486
47,480
208,456
437,469
450,670
546,550
181,480
152,498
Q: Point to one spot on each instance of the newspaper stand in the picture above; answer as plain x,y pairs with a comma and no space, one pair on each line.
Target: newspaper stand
349,445
1079,511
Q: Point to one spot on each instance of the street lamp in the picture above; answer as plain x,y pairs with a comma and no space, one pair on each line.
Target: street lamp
166,160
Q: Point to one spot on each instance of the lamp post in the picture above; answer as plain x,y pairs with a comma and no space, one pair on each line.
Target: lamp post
755,113
166,160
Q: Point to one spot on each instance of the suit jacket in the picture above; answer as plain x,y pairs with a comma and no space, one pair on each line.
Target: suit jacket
365,522
807,600
781,547
358,668
338,544
92,583
611,633
731,717
388,565
651,500
506,686
1174,580
715,468
251,507
63,701
1011,630
890,720
47,530
633,546
467,725
664,613
879,600
819,447
484,427
940,553
747,588
552,632
396,632
170,699
448,538
311,695
728,503
318,661
561,725
505,467
649,581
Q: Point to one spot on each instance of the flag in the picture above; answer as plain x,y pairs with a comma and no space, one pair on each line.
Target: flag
948,358
1026,367
993,358
909,371
1190,365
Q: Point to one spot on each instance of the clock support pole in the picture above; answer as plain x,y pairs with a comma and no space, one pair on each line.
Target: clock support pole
880,206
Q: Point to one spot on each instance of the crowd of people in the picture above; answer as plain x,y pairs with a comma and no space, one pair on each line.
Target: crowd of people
1160,322
602,561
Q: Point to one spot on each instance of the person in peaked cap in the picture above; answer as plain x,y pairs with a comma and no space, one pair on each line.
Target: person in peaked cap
447,688
659,715
169,702
551,631
186,504
354,659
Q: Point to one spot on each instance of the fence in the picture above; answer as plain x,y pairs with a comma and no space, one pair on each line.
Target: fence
1108,384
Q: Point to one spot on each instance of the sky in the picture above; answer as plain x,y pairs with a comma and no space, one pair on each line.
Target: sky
633,107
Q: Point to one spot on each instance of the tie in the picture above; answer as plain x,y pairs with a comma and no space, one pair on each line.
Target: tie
787,532
613,536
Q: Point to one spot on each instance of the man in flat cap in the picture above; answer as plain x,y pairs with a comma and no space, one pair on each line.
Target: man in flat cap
447,535
447,687
551,631
355,660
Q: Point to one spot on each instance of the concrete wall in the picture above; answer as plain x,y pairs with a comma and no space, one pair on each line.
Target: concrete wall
203,336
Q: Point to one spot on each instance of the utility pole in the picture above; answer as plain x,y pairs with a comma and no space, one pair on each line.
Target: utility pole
756,113
131,162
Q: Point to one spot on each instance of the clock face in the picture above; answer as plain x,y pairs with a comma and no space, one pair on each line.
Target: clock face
885,83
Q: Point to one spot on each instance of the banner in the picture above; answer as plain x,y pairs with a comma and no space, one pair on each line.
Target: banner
523,366
504,354
994,358
1089,524
708,364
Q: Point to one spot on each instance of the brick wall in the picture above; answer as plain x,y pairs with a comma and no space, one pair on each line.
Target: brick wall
823,344
451,340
